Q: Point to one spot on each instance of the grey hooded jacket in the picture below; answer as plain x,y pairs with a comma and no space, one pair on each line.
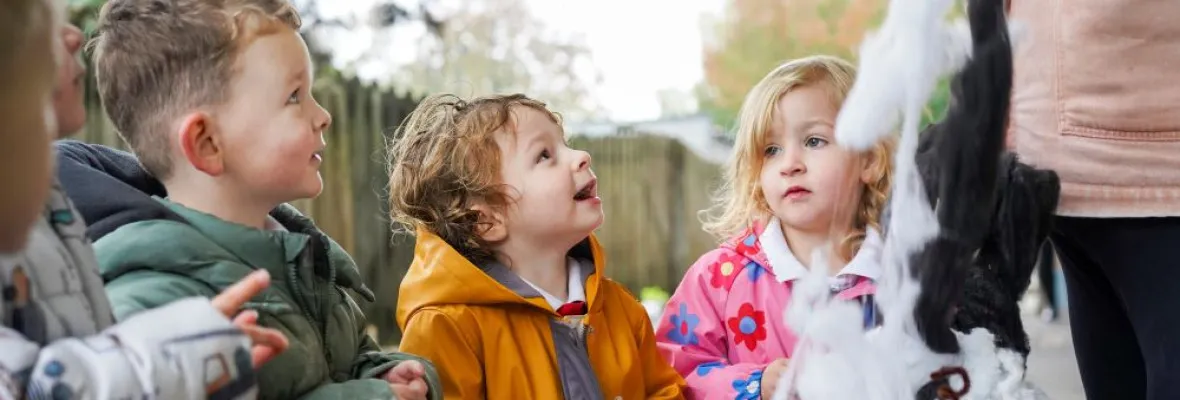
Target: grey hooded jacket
58,338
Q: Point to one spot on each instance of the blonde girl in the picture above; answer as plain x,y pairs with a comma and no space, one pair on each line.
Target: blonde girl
789,190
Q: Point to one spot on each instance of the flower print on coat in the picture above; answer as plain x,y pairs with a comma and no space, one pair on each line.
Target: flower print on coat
683,324
741,327
706,368
749,244
725,270
754,271
749,388
748,326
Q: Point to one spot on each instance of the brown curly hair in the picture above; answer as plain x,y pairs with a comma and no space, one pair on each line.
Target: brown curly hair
739,201
445,160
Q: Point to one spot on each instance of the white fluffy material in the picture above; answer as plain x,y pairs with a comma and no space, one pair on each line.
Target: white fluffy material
834,358
900,65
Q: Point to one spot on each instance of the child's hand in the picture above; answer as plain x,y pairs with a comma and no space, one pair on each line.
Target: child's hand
405,372
406,380
267,343
415,390
771,375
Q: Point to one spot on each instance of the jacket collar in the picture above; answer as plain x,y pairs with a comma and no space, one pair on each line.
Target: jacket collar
786,267
271,248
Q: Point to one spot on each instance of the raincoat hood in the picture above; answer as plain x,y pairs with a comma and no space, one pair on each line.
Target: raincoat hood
439,275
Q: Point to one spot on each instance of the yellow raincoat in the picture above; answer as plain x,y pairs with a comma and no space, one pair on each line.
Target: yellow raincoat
489,341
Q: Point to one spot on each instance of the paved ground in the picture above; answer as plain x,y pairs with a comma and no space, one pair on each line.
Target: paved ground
1051,365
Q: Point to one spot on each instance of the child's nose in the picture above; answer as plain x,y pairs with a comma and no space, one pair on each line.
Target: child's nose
792,164
324,118
581,160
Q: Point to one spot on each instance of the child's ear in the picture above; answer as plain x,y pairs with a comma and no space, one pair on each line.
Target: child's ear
200,144
490,227
873,166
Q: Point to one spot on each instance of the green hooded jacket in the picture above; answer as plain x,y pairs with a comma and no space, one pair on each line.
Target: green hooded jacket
147,264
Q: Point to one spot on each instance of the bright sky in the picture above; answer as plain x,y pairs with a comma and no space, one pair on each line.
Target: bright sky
638,46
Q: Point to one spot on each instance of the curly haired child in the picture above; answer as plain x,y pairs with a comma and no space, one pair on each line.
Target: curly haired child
506,293
789,191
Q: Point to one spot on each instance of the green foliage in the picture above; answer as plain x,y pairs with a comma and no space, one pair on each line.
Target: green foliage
936,108
754,36
84,14
654,293
830,11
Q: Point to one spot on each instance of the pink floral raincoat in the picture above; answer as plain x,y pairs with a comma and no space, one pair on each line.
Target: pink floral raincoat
725,322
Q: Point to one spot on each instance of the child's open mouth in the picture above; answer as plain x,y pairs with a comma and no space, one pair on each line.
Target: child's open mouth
318,156
589,191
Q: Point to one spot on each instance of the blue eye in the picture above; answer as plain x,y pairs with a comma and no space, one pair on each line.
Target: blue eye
772,151
294,98
543,156
815,142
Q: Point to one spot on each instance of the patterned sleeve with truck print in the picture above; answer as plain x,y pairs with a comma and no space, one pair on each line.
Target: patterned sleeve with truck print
58,338
196,354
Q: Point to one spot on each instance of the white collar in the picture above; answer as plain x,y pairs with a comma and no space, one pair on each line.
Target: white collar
786,267
867,261
575,289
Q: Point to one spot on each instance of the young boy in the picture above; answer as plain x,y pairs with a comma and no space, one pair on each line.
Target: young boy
56,329
214,98
506,292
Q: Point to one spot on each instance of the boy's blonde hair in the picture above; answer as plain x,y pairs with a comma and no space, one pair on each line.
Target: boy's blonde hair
445,161
158,59
739,202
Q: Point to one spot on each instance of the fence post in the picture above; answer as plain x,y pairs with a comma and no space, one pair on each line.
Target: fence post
677,233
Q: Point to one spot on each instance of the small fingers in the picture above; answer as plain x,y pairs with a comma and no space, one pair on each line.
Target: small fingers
409,370
392,376
417,389
246,318
261,336
412,390
262,354
266,344
232,298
